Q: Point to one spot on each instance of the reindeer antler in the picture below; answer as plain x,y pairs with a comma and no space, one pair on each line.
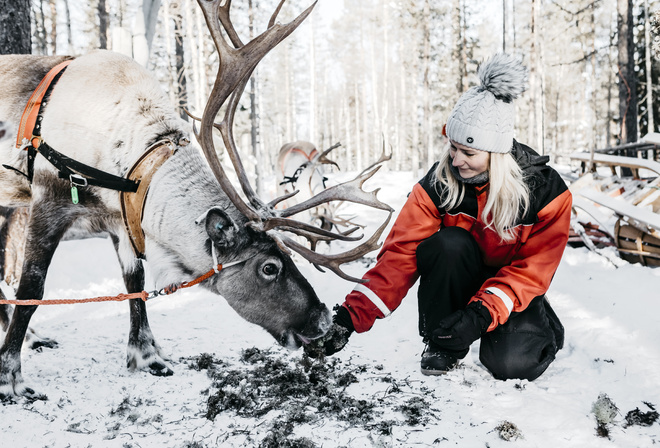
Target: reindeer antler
237,61
322,159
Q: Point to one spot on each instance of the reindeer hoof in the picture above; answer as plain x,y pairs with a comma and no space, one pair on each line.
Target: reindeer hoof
159,369
36,342
7,395
32,396
41,343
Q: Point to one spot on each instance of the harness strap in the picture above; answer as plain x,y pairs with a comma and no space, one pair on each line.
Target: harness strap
132,205
29,129
82,175
294,177
33,107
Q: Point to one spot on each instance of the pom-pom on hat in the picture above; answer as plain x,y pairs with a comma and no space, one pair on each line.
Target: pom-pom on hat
483,117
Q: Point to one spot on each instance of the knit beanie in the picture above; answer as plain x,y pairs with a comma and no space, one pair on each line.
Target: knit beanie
483,117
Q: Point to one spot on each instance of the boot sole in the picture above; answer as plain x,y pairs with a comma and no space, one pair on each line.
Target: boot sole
433,372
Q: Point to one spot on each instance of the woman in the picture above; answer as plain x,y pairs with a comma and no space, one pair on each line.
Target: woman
484,231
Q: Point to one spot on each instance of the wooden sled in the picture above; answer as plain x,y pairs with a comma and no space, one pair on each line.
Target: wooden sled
636,232
634,163
637,246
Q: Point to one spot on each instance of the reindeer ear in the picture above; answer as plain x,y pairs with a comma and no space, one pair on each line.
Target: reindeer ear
221,228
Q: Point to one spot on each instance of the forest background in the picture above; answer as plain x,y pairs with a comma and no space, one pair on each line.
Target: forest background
386,73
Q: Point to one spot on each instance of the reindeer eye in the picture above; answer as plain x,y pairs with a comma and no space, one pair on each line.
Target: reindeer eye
270,269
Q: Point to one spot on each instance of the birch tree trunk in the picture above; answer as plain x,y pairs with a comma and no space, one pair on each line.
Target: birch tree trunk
375,131
144,30
415,139
627,76
427,120
103,25
513,26
15,36
41,46
288,95
413,111
254,122
364,130
325,113
196,75
69,34
204,68
180,66
121,36
594,81
53,27
313,131
504,26
349,140
610,87
555,131
169,37
459,46
385,91
358,140
362,133
402,140
396,157
593,116
649,68
535,132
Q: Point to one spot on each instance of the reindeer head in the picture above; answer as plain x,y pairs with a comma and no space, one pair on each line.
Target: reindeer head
260,235
264,287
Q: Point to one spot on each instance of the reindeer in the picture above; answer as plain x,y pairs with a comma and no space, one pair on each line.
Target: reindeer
299,168
109,113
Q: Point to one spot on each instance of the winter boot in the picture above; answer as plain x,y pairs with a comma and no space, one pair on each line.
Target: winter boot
437,362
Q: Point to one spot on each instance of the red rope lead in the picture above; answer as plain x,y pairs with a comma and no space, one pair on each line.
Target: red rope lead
144,295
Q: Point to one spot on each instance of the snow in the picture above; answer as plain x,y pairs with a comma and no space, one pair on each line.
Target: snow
611,315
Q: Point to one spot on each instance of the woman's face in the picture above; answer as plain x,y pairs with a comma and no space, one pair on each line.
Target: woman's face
468,161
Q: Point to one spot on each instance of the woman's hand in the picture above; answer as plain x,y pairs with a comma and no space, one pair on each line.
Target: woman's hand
456,332
335,339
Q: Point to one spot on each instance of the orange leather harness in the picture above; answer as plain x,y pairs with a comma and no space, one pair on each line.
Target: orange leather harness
29,119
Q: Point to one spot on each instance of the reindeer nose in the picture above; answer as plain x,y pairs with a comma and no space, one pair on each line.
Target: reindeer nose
325,320
319,322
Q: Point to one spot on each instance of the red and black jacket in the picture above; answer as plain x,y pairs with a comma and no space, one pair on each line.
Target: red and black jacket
526,264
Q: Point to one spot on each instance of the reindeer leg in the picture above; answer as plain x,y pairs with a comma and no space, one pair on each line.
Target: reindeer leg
12,238
4,313
143,351
46,226
5,310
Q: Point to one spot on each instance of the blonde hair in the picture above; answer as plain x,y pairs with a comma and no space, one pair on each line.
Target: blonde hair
508,198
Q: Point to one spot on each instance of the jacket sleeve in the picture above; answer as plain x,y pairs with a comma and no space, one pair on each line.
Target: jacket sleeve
533,266
395,271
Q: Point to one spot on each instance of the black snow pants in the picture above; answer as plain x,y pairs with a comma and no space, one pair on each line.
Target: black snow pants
451,272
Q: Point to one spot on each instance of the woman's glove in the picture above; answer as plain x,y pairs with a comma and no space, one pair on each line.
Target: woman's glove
335,339
456,332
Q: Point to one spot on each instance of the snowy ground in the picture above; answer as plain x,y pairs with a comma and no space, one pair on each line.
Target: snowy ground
611,315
